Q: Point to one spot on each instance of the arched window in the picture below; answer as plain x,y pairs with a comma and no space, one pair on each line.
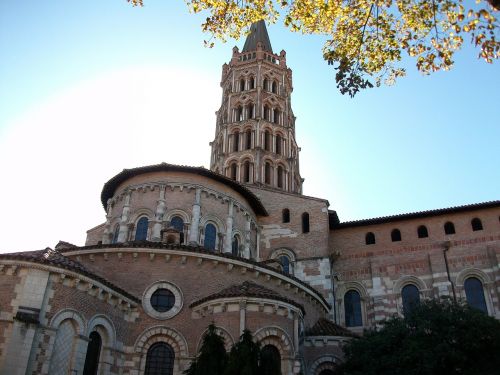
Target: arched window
370,238
476,224
275,87
248,139
239,113
246,171
93,353
411,297
160,359
286,215
305,222
267,140
422,232
352,308
395,235
276,115
115,234
250,113
267,173
265,84
210,237
141,232
234,171
285,264
242,85
449,228
178,224
279,143
280,176
270,361
236,141
62,351
474,293
235,246
251,83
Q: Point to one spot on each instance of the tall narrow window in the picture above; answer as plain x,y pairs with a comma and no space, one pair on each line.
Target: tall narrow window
305,222
286,215
246,171
449,228
266,113
422,232
474,293
236,141
62,351
250,113
395,235
242,85
279,143
178,224
248,139
280,177
116,233
235,246
267,173
270,361
411,298
93,354
267,141
285,264
160,359
352,307
265,85
234,171
275,87
210,237
141,231
370,238
276,115
239,113
476,224
251,83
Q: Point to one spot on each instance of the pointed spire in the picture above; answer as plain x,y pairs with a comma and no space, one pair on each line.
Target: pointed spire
258,33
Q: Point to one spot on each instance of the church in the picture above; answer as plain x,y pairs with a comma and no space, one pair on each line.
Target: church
238,245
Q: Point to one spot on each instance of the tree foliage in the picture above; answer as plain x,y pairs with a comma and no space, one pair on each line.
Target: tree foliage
437,337
367,39
212,357
244,357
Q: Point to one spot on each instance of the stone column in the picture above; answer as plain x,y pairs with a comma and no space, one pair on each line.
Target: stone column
229,229
246,251
108,231
161,207
243,308
123,234
195,221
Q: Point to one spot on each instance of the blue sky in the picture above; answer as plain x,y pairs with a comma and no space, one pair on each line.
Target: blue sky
87,89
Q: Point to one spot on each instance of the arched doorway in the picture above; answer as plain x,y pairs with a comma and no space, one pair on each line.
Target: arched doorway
270,360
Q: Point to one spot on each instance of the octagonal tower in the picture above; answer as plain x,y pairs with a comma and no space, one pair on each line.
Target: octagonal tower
255,130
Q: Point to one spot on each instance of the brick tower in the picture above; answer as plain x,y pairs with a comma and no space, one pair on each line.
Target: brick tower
255,133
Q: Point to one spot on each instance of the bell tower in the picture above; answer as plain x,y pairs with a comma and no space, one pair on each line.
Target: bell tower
255,129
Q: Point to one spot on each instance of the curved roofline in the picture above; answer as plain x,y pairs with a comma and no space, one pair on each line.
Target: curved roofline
110,187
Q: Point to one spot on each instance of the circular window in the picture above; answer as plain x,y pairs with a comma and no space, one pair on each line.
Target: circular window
162,300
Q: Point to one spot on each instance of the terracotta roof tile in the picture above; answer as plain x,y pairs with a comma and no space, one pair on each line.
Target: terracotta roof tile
325,327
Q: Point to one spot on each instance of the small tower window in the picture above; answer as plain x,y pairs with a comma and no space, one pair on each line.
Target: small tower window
265,84
267,141
276,116
248,139
275,87
370,238
234,170
267,174
242,85
266,113
422,232
395,235
235,246
250,113
236,142
286,215
251,83
246,171
141,231
476,224
305,222
280,177
279,142
449,228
